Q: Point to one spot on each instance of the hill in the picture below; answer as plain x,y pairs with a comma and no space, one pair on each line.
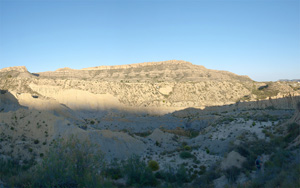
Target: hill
174,113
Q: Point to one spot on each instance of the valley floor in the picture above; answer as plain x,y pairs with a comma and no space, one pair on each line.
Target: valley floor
180,150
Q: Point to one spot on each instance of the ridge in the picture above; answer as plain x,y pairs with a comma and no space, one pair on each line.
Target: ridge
137,65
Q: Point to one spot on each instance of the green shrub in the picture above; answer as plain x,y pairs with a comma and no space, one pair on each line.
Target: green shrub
184,144
138,173
70,163
186,155
206,180
293,131
283,167
14,174
143,134
267,133
280,158
157,143
8,167
153,165
244,151
188,148
275,176
250,150
194,134
170,175
182,176
207,150
113,173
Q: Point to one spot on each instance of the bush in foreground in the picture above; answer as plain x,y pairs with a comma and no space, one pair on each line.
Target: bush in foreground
138,174
14,174
173,176
70,163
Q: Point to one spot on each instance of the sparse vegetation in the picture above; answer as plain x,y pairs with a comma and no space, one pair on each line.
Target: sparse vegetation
266,91
182,132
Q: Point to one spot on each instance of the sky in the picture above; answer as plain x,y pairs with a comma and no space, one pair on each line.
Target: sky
258,38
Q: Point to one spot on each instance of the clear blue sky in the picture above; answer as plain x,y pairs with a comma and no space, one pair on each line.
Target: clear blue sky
258,38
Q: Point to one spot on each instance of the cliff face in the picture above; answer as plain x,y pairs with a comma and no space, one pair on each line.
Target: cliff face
170,85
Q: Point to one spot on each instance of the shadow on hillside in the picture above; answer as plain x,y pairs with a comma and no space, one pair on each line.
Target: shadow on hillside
8,102
124,119
287,102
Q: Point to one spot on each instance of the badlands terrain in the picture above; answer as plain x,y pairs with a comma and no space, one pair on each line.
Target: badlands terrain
204,127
